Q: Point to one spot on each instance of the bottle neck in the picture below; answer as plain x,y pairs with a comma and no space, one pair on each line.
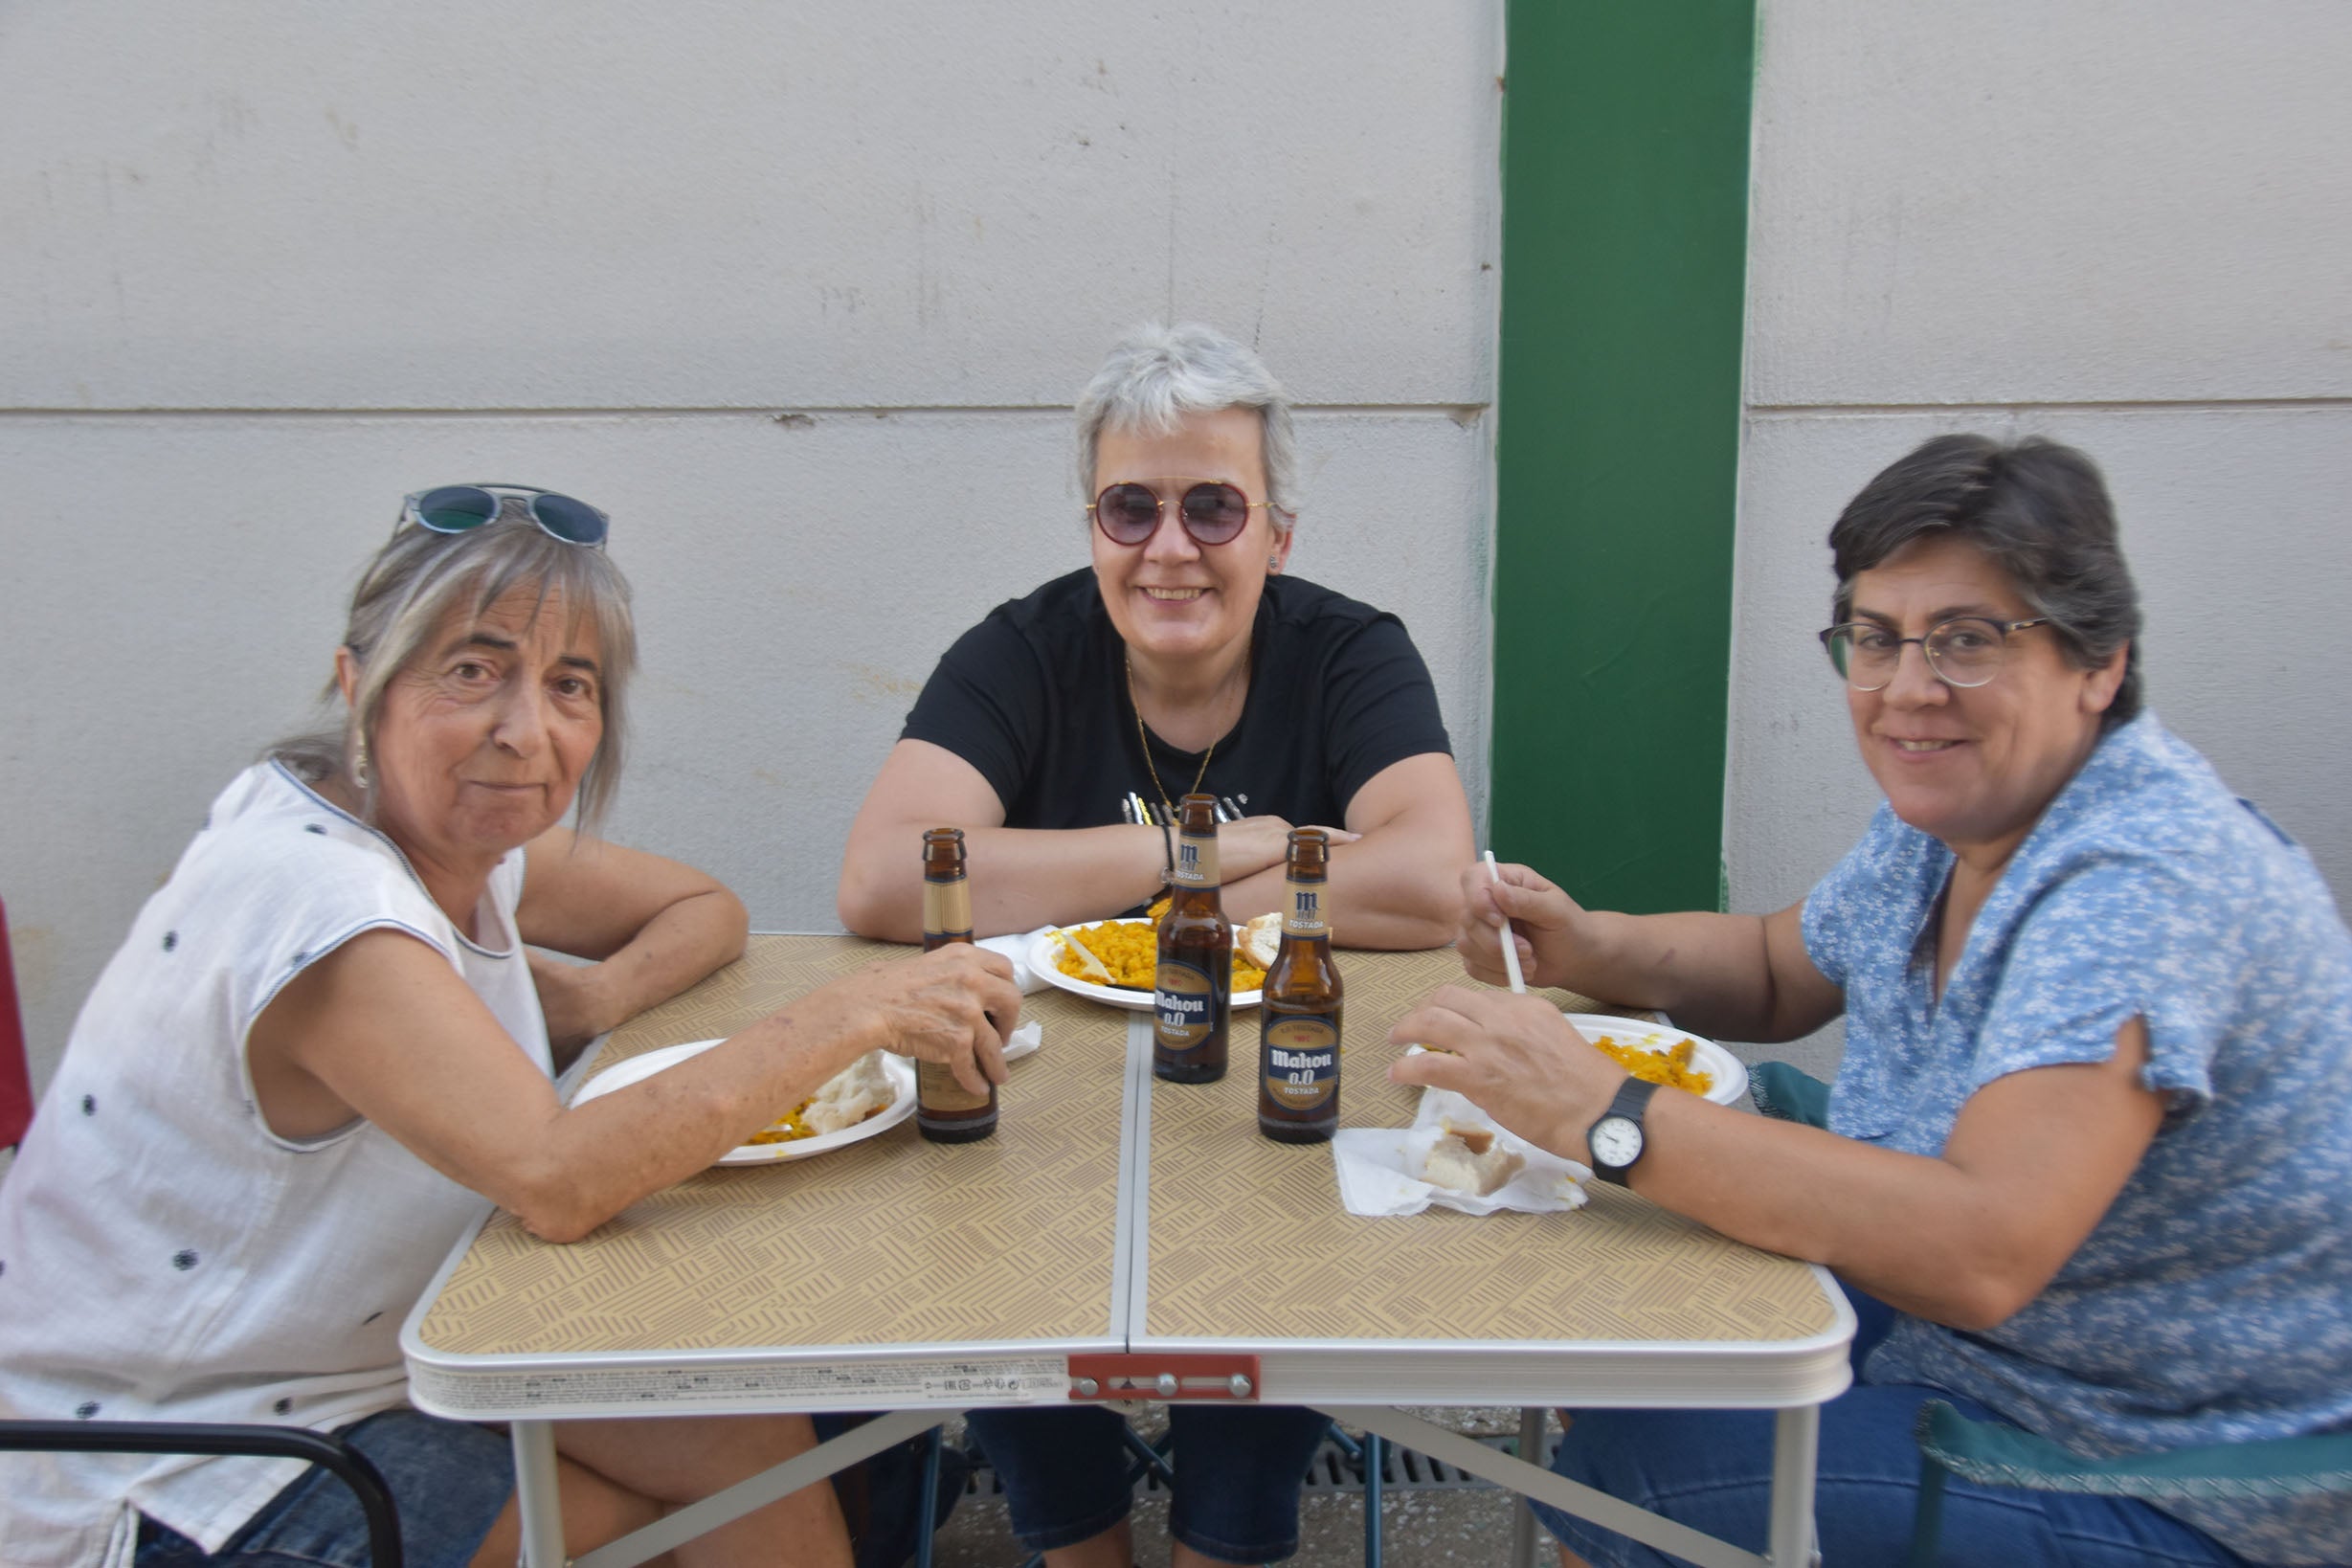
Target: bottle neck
946,909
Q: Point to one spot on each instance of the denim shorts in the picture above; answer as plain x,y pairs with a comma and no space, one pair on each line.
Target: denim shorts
1713,1471
448,1480
1238,1472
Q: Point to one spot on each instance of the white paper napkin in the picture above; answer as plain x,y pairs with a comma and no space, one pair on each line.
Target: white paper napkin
1379,1168
1017,949
1024,1040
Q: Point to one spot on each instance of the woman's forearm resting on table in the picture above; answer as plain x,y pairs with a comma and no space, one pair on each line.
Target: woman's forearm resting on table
651,927
955,1007
1387,890
383,1029
1396,884
1966,1238
578,1168
1022,878
678,947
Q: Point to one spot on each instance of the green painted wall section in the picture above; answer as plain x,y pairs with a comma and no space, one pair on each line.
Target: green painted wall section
1624,245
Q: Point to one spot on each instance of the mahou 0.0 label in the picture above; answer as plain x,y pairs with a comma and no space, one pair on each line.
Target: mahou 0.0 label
1302,1061
1184,1010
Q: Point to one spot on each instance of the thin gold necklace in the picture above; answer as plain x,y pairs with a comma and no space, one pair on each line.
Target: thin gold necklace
1127,663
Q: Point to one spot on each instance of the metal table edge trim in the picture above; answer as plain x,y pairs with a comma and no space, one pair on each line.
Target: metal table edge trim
1136,1184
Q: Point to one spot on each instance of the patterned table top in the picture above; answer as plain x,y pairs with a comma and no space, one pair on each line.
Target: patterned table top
892,1240
895,1249
1249,1239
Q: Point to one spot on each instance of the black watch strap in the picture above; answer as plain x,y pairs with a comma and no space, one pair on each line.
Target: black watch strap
1632,1100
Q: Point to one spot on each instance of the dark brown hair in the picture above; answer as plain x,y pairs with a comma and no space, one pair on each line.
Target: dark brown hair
2038,509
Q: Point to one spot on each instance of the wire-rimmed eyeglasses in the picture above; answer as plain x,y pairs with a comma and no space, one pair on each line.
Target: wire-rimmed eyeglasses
1964,651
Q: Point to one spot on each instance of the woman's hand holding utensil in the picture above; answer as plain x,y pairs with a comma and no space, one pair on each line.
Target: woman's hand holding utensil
1514,925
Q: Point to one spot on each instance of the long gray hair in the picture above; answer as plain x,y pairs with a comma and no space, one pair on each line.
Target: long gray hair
1156,374
415,581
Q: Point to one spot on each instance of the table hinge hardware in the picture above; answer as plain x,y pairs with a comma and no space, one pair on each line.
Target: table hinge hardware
1165,1376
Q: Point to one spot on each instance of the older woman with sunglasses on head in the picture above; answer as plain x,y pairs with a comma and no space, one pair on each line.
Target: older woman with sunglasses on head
1185,661
2089,1160
325,1049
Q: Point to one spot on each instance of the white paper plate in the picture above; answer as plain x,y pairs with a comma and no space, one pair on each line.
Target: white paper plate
1041,954
637,1068
1731,1075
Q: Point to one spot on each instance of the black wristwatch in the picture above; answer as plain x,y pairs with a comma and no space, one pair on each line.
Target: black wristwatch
1617,1139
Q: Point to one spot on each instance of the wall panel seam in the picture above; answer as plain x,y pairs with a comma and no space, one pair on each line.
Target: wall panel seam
1461,414
2162,405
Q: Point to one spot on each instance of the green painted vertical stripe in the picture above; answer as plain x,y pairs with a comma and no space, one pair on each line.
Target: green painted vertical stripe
1625,247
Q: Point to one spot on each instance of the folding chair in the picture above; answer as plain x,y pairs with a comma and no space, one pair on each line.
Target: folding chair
1994,1453
152,1437
16,1077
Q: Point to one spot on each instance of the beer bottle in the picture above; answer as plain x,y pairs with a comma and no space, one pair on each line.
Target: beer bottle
1193,993
945,1110
1298,1011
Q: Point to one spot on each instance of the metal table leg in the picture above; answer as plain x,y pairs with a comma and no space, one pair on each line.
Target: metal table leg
930,1502
1523,1517
1375,1455
1569,1497
1796,1451
683,1524
538,1498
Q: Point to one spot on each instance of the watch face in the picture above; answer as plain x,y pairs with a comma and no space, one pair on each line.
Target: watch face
1616,1140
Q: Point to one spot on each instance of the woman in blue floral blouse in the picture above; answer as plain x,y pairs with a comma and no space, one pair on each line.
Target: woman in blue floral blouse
2090,1160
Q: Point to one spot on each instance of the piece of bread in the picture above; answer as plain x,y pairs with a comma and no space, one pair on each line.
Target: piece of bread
1467,1159
1261,939
850,1096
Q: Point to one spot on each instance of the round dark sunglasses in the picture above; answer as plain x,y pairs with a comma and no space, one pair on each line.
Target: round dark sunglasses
1213,513
455,509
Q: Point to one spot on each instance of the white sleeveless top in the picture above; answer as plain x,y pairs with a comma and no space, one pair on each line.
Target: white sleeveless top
164,1256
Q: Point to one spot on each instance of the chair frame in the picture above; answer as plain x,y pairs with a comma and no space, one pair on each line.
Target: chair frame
330,1453
1994,1453
156,1437
15,1070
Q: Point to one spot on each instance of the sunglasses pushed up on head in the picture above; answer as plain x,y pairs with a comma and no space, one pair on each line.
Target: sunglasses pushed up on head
1212,512
455,509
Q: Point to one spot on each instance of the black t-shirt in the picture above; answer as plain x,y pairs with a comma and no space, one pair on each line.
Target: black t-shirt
1035,697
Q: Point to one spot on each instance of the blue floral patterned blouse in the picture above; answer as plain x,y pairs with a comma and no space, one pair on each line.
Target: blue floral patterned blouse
2213,1303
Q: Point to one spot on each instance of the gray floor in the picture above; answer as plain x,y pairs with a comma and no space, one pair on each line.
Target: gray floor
1466,1525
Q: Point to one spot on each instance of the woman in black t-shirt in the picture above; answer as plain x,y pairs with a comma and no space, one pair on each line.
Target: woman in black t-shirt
1183,660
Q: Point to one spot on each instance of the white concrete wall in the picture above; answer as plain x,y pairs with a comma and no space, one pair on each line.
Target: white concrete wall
263,267
2120,225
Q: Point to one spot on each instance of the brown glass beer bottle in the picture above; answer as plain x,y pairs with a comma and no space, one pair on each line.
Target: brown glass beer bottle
945,1110
1191,997
1298,1011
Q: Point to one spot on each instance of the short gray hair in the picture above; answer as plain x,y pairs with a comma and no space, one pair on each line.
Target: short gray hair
417,579
2039,510
1157,374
